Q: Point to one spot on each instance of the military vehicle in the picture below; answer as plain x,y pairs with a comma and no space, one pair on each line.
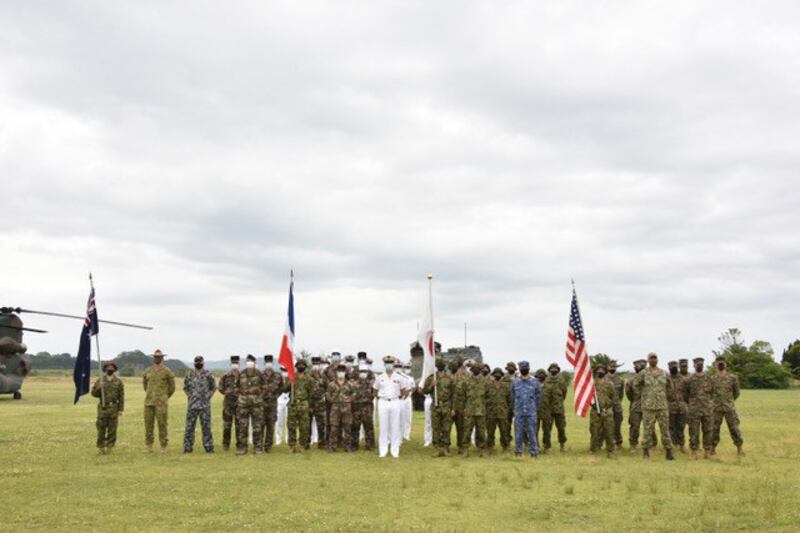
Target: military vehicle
14,363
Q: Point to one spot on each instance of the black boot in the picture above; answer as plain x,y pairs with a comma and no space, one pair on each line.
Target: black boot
670,457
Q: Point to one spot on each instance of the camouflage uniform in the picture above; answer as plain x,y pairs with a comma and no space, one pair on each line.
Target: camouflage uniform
318,407
108,413
508,380
459,377
678,408
298,410
362,412
554,391
340,395
474,393
159,384
619,388
250,388
230,401
441,420
700,389
654,386
497,407
601,423
199,386
726,391
635,409
274,386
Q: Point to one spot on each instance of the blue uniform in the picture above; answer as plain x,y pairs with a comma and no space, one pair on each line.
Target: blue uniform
525,397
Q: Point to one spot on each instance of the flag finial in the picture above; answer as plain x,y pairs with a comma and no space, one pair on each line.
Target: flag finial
430,276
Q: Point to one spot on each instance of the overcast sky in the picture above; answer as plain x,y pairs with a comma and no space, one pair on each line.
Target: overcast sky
190,154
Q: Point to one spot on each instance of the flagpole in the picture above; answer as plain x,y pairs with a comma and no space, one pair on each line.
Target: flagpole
291,292
433,339
578,305
97,343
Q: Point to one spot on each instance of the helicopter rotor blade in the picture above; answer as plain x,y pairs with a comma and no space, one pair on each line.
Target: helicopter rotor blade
62,315
19,328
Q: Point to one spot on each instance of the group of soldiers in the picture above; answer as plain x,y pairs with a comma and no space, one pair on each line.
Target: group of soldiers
671,400
338,396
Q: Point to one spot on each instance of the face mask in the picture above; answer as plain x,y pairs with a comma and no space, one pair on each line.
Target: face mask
362,374
698,368
234,366
301,369
389,367
554,373
158,360
475,371
340,375
198,366
601,375
612,371
348,365
485,372
284,373
684,370
109,373
440,368
314,367
269,366
524,371
721,366
639,369
496,377
250,364
673,371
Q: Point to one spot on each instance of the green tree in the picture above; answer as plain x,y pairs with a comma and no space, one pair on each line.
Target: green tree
791,358
600,359
754,365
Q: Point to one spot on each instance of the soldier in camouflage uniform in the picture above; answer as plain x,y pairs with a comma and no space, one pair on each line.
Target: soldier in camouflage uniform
330,375
363,407
619,386
554,391
508,379
340,394
683,422
317,405
159,384
601,414
474,392
678,408
111,391
199,387
497,406
726,392
635,409
441,387
459,375
274,386
654,387
541,376
298,409
250,388
227,387
700,389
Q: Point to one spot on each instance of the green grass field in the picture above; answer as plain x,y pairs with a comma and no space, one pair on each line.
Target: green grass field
53,479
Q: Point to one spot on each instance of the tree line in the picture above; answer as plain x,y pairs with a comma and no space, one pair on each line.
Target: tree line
129,363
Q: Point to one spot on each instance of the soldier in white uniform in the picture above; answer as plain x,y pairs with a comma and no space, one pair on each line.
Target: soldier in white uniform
390,389
283,402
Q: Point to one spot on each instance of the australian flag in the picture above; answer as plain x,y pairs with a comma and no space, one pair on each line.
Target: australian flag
83,363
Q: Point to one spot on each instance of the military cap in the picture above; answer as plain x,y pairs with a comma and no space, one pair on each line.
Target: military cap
335,353
350,358
652,354
683,362
251,357
388,359
525,364
511,365
108,364
315,360
235,359
158,353
672,364
698,360
552,366
269,358
720,359
613,364
362,355
497,370
199,359
540,373
640,362
341,368
599,366
301,363
398,363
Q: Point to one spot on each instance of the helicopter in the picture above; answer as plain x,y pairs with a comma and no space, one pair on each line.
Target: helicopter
14,363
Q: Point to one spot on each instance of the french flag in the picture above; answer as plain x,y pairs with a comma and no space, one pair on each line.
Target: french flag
286,357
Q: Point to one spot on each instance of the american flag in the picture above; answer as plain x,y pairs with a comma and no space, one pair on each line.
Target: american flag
576,355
